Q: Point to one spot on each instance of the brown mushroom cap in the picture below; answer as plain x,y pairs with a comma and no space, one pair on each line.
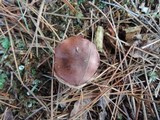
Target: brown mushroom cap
76,61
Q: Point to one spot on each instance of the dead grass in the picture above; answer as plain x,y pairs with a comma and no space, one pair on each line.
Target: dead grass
127,82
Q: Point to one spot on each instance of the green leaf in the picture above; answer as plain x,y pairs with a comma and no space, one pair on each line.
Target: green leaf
79,15
120,116
5,43
35,84
30,103
80,1
33,71
152,76
2,80
20,44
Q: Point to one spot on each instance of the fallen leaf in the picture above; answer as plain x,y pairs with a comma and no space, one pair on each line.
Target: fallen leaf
102,103
78,105
131,32
98,40
8,115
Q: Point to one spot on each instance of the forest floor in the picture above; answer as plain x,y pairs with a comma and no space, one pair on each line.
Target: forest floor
127,82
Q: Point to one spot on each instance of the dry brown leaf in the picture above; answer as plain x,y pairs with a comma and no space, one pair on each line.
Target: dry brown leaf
131,32
8,115
78,105
102,103
146,43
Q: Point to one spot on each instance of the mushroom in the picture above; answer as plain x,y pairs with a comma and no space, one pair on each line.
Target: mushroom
76,60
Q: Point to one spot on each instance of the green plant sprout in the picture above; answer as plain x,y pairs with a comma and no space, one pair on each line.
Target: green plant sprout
152,76
5,43
3,78
35,84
